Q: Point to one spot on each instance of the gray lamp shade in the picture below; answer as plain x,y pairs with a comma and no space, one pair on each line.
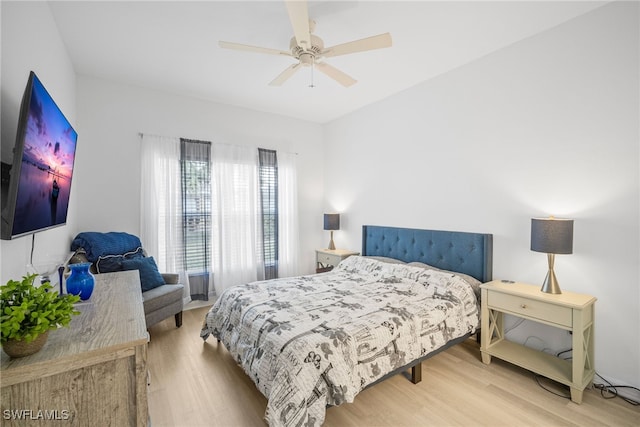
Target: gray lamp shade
332,221
551,235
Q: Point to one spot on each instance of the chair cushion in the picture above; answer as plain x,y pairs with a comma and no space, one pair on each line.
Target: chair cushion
150,277
161,296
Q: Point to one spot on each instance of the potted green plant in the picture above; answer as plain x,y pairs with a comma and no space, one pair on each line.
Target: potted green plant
28,313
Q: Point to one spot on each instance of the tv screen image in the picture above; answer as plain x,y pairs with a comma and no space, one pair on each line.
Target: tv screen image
42,169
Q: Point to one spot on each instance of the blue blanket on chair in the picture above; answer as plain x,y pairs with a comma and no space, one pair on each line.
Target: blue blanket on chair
98,244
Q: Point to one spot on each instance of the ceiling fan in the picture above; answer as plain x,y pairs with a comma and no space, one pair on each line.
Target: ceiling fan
309,49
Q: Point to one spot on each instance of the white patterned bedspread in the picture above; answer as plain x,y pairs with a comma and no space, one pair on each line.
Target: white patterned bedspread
318,340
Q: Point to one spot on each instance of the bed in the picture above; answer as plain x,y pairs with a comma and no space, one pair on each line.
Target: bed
314,341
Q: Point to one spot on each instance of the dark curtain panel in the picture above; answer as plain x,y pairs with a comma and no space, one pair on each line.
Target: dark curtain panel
195,161
268,176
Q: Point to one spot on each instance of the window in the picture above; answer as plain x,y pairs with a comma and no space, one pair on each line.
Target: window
195,179
218,214
268,177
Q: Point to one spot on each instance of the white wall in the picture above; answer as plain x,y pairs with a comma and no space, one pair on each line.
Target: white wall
31,42
546,126
111,115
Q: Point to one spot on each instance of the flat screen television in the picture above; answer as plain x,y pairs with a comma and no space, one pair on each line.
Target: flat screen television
39,180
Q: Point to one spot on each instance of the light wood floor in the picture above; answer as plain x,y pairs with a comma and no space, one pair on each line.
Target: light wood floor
199,384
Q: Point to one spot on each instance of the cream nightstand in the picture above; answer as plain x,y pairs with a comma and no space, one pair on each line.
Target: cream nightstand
569,311
326,259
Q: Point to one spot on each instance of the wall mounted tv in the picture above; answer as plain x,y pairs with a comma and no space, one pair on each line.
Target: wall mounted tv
37,197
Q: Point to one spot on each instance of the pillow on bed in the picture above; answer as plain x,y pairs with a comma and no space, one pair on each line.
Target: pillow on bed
475,283
386,259
472,281
422,265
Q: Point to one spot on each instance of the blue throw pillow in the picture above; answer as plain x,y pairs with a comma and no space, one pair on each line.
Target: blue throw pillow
150,277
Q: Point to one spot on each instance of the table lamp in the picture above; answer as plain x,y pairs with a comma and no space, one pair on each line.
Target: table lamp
551,236
332,222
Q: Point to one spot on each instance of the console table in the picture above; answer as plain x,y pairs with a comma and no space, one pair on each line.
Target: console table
92,373
570,311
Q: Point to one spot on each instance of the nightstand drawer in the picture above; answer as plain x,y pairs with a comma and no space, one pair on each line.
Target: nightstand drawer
328,259
531,308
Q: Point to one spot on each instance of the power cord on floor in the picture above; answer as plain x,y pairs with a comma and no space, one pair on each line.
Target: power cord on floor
539,377
607,391
610,391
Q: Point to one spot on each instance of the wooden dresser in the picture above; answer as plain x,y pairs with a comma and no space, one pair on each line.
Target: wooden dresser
93,373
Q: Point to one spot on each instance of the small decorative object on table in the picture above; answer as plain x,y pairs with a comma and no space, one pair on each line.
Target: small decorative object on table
81,281
27,313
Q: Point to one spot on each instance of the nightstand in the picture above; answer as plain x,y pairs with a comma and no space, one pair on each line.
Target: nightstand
570,311
326,259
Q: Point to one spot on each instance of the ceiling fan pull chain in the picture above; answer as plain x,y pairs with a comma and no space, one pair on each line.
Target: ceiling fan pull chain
313,66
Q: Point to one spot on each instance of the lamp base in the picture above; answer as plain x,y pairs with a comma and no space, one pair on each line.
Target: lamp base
332,245
550,285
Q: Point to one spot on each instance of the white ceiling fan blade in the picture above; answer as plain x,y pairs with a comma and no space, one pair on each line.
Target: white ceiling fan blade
247,48
337,75
285,75
374,42
299,17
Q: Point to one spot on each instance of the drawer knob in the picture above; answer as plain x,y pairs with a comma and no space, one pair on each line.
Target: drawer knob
523,305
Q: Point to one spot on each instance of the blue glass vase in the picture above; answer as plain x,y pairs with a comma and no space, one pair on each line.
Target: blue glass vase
81,281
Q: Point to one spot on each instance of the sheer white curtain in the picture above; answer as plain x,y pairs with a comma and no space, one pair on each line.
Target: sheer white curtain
236,232
236,228
288,238
161,205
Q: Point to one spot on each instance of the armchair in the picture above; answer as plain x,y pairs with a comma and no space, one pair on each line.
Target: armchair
114,251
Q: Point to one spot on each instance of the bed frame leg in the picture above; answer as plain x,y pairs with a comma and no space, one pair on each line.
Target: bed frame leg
416,373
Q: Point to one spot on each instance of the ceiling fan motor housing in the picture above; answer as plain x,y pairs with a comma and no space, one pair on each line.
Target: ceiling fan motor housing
307,57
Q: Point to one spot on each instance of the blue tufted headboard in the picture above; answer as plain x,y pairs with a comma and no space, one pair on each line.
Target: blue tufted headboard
468,253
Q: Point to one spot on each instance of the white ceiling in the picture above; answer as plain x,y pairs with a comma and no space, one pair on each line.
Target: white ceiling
173,46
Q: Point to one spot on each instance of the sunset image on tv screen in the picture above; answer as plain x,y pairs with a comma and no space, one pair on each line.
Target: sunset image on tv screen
47,165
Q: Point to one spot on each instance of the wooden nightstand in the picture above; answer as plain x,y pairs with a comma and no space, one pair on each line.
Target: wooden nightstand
570,311
326,259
